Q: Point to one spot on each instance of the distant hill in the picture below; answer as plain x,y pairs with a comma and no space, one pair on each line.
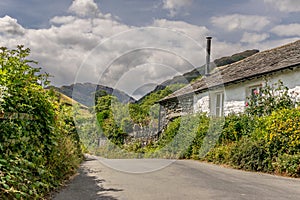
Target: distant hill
196,73
189,76
85,92
64,99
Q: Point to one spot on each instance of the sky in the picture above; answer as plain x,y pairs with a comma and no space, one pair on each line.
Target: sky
134,45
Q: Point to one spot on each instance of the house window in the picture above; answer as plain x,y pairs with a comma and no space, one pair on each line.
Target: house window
219,104
254,91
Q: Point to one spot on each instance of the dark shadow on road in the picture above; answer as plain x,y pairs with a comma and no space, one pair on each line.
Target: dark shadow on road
85,187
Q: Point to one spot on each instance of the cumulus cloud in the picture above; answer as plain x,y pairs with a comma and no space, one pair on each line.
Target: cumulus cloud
80,49
285,5
62,20
254,37
287,30
240,22
84,8
193,31
98,48
10,26
175,7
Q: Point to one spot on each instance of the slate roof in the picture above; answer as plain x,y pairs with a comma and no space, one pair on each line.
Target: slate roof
257,65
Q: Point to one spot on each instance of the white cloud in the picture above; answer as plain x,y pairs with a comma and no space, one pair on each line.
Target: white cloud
62,19
269,44
176,6
240,22
84,8
10,26
285,5
254,37
148,54
193,31
287,30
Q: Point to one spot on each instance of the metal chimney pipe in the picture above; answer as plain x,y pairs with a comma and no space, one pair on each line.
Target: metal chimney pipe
208,49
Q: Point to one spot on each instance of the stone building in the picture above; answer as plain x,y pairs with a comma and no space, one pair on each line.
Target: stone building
225,89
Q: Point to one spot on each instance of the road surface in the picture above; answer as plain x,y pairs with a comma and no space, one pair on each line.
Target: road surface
180,180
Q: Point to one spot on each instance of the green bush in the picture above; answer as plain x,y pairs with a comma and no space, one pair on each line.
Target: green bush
282,131
220,154
288,165
235,127
181,138
39,146
251,155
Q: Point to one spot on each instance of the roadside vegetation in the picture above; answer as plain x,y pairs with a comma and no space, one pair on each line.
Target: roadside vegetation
265,138
39,145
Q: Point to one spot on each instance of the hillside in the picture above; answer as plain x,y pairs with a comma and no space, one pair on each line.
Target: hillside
85,92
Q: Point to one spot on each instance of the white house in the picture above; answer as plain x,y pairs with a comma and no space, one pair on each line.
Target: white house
225,89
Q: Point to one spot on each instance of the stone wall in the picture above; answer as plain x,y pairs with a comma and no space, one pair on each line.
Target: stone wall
202,104
175,108
140,131
231,107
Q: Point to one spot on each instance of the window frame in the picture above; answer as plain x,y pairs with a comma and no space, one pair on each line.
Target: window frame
219,104
250,91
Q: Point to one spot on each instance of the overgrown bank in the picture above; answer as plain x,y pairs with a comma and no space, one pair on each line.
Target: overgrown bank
39,146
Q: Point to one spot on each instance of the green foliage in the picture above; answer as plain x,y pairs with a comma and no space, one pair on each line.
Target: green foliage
267,143
153,97
148,109
197,143
266,138
282,131
235,127
182,138
117,119
138,114
221,154
41,149
270,98
251,155
107,108
288,165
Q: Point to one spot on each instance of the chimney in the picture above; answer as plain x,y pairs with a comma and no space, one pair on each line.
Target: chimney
208,48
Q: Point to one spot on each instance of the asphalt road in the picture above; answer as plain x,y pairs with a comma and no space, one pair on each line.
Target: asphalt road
178,180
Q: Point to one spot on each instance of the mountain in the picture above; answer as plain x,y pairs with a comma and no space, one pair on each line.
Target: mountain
85,93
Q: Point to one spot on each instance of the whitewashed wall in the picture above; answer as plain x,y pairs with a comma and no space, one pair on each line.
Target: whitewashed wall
235,95
201,103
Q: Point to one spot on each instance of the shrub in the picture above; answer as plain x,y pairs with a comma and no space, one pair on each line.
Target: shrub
288,165
282,131
251,155
235,127
220,154
39,146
